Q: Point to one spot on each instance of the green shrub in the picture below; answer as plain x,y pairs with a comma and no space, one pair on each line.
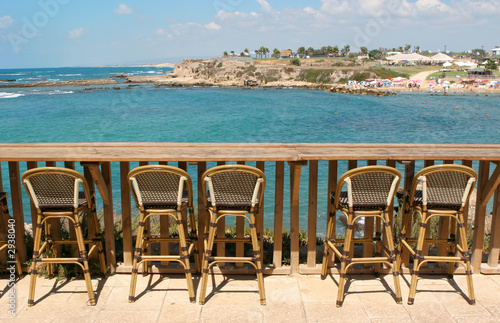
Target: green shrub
315,76
296,62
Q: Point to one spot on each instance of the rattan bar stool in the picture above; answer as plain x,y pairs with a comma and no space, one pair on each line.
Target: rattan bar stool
55,192
233,190
161,190
445,192
9,228
370,193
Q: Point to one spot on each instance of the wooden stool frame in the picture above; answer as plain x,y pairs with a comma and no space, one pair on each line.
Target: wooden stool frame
54,191
445,193
370,193
161,190
234,190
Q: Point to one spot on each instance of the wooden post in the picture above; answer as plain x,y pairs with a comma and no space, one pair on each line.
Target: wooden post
495,233
17,209
126,214
240,233
260,220
202,212
295,171
332,183
313,213
408,178
478,236
221,233
278,214
109,224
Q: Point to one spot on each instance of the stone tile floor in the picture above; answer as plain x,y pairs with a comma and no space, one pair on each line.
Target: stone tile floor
294,298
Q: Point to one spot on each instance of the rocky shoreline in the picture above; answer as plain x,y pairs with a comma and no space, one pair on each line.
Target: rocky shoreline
241,74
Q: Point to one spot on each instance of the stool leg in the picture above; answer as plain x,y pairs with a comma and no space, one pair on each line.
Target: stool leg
329,234
194,235
36,254
48,238
100,250
137,253
84,255
258,263
390,244
185,255
465,248
420,244
345,255
209,241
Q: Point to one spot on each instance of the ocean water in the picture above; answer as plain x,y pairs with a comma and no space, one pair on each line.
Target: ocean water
147,114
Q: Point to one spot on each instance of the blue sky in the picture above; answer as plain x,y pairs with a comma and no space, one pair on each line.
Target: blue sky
53,33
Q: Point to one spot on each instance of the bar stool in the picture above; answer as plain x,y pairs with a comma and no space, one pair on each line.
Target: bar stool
233,190
164,191
370,193
55,192
9,232
445,192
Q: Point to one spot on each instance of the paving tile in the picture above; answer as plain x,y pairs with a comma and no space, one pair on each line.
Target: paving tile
133,316
458,306
180,311
233,307
381,305
312,288
351,311
145,300
426,311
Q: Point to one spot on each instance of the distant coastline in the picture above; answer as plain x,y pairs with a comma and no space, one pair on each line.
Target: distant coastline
310,74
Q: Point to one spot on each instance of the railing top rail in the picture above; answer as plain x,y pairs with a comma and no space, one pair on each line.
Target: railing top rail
152,151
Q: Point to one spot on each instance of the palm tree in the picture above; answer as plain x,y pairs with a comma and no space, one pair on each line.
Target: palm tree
346,50
266,51
335,50
329,49
301,51
417,49
364,50
310,51
225,54
400,49
276,52
257,53
407,47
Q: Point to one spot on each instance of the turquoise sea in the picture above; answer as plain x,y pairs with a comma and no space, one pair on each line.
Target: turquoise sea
147,114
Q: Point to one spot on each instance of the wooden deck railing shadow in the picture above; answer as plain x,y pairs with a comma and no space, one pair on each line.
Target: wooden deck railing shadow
284,165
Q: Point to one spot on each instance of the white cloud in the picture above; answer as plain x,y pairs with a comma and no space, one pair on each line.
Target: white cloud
213,26
6,21
265,6
76,33
163,33
123,9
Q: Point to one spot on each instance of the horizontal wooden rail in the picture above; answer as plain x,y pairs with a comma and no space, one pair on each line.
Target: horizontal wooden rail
290,168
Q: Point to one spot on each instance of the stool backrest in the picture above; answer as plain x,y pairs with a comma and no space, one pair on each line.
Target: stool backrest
161,185
369,186
55,187
445,185
235,185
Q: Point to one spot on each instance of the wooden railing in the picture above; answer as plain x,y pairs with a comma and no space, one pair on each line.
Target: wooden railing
324,163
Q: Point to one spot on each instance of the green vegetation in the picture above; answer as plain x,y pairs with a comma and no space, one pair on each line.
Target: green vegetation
315,76
439,74
295,61
384,73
